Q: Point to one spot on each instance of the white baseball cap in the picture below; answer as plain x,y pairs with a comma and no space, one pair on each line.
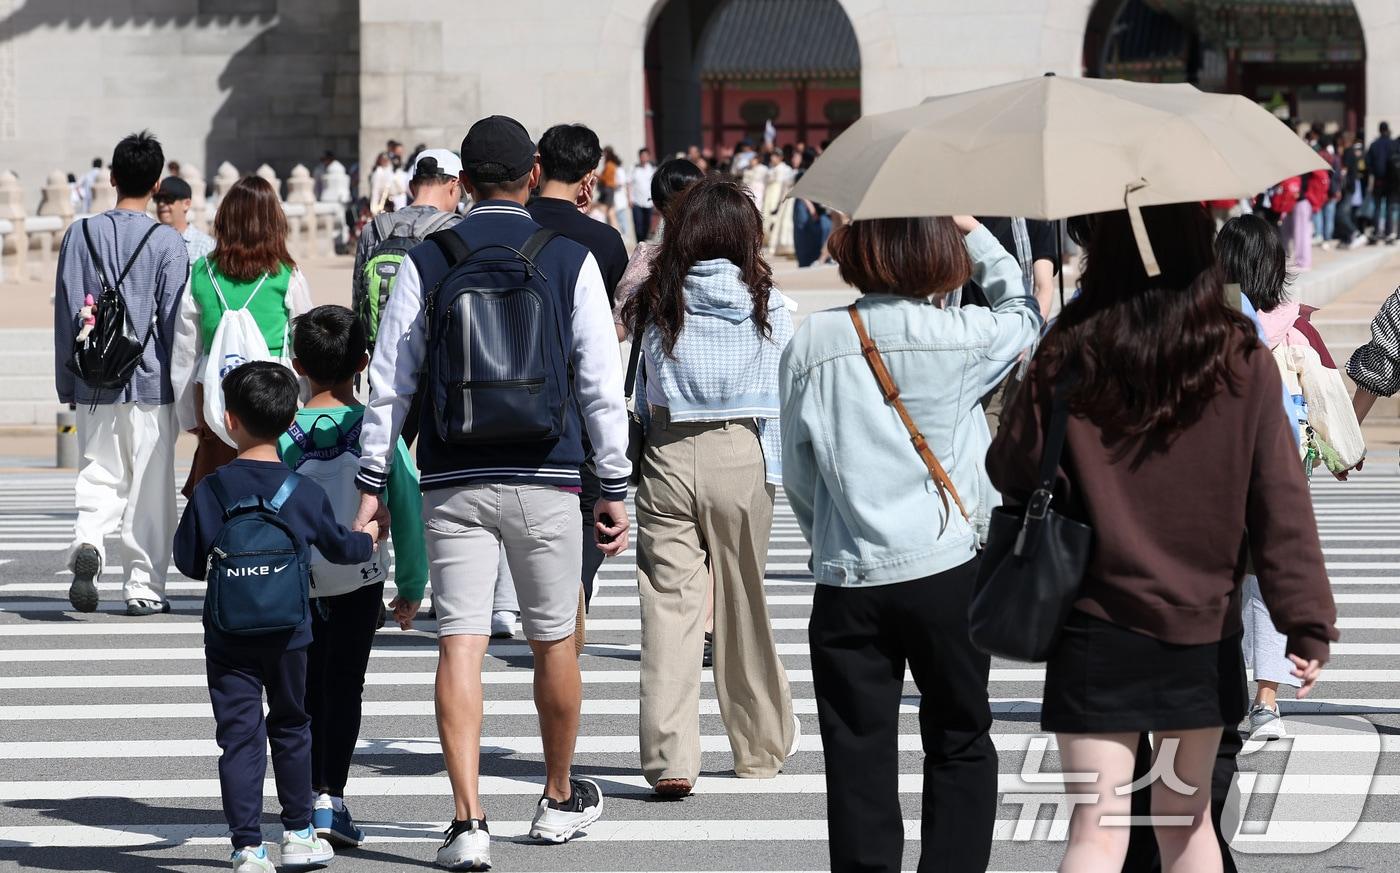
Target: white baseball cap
443,163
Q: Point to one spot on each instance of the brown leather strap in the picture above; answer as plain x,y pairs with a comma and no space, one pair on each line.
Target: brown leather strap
891,391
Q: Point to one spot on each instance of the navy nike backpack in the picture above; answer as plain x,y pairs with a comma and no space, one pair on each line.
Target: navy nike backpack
259,575
497,369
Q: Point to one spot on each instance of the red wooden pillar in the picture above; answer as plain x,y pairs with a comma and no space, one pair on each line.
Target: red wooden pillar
801,110
717,123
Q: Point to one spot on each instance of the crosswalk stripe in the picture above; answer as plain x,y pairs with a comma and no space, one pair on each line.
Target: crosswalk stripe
1387,744
506,677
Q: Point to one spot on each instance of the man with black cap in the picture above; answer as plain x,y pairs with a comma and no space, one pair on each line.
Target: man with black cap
173,201
483,496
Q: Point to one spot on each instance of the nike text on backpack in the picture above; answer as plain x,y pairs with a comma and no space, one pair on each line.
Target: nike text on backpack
376,281
237,340
496,362
259,574
110,354
334,467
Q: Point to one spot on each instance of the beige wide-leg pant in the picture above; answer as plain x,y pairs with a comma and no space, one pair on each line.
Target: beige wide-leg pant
704,500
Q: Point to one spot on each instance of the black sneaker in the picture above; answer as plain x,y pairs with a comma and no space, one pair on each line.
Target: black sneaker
467,846
87,565
708,659
557,822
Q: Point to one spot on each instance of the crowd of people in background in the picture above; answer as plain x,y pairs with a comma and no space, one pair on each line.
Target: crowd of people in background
478,362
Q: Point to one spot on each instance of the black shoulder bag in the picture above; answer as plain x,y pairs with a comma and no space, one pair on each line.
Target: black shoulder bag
636,433
110,354
1033,564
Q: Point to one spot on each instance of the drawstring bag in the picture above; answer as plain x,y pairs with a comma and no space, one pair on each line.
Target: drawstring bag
237,340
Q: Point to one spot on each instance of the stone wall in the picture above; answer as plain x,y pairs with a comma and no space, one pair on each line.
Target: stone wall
431,67
246,81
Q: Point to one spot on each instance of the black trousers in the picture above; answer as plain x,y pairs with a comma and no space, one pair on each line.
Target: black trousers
861,639
237,679
343,629
1143,856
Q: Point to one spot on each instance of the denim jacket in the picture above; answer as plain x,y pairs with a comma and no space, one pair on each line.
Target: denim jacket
861,494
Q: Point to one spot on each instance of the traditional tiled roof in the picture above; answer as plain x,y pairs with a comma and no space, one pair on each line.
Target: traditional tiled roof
764,39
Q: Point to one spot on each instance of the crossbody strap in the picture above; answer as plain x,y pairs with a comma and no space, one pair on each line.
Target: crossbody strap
634,357
1054,447
891,392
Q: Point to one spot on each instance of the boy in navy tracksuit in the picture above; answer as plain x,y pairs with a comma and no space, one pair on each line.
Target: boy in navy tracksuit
261,401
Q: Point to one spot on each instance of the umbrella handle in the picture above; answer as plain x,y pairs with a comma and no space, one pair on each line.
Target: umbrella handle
1132,194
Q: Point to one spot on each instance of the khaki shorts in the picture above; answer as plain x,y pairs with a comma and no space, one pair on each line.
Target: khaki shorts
536,526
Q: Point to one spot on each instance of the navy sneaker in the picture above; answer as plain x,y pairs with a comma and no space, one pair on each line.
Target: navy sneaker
336,827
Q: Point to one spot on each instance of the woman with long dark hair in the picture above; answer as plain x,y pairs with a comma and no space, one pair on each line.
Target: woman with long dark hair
715,328
894,549
670,181
249,268
1174,406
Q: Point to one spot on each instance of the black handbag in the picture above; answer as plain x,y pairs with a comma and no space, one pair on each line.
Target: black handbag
1033,564
636,432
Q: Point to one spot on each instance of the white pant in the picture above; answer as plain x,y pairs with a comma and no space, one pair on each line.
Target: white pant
126,481
1265,649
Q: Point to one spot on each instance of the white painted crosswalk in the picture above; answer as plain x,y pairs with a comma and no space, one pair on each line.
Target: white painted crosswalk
106,740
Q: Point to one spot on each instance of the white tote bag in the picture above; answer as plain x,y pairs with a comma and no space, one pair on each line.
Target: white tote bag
237,340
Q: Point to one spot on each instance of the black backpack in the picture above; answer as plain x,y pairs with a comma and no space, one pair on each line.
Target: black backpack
497,370
110,354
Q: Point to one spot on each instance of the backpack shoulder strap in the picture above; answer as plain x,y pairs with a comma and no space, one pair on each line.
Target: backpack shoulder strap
284,493
454,249
136,254
536,243
438,222
96,260
871,352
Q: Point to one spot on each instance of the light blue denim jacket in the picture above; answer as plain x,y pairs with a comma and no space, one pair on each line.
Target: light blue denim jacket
861,494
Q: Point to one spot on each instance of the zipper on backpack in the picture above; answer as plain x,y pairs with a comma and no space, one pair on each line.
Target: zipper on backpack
495,383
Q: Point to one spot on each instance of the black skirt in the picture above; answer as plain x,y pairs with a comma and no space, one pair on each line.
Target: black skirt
1104,678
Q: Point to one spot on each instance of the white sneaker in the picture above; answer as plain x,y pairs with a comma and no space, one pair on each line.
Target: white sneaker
557,822
502,624
304,849
1265,723
796,736
467,846
251,859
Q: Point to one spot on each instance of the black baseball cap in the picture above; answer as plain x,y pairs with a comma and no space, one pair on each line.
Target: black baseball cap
497,149
173,188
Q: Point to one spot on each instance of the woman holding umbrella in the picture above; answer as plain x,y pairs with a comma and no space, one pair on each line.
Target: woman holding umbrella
1163,378
894,550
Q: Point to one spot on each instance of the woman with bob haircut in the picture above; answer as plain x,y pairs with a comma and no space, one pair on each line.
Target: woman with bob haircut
894,549
714,329
1174,406
250,268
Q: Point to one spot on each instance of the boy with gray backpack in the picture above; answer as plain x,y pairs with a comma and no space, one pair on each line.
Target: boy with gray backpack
248,532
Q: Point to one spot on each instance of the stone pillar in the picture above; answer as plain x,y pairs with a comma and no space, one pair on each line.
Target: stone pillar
57,203
58,198
104,195
335,184
301,191
199,207
270,175
12,210
224,179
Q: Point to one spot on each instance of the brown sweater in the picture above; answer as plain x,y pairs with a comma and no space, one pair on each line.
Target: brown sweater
1173,526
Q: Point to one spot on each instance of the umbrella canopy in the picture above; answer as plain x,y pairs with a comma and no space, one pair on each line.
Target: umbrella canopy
1052,147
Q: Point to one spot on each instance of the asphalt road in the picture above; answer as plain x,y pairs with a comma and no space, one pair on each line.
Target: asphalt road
107,759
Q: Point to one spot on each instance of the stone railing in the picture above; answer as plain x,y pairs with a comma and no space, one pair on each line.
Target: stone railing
29,242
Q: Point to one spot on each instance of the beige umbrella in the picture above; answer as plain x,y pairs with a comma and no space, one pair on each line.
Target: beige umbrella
1053,147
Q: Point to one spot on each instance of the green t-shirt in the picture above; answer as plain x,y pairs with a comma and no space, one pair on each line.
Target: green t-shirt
325,425
268,306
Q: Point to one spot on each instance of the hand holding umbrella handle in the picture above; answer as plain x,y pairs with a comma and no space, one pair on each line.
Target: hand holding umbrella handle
966,223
